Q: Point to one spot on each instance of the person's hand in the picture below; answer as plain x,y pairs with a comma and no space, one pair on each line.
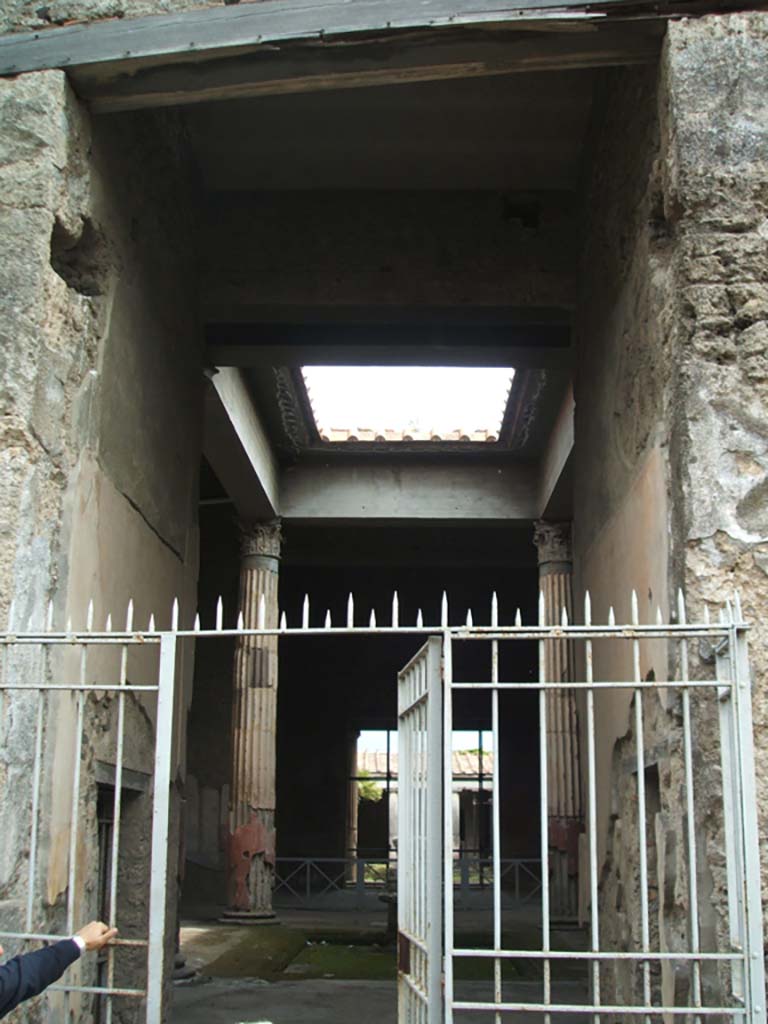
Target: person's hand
96,934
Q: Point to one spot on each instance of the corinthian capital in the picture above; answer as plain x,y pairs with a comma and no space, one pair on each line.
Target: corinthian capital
553,541
262,538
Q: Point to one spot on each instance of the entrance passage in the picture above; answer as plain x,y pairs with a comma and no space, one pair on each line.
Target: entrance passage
690,733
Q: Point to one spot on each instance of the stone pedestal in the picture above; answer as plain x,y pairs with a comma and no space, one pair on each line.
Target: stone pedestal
251,852
553,543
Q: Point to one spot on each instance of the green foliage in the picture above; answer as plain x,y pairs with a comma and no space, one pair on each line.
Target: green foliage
368,789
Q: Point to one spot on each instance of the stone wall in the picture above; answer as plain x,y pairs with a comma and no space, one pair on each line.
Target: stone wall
672,443
100,400
716,194
24,15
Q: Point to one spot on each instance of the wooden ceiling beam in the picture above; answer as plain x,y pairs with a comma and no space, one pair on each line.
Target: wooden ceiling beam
308,69
213,31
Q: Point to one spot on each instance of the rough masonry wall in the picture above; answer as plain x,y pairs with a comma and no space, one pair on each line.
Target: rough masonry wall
716,194
24,15
672,440
100,401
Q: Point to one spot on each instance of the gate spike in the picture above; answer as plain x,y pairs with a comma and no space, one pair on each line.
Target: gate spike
108,623
444,610
681,607
89,617
542,609
283,622
240,620
635,609
494,609
328,619
262,613
659,616
372,620
350,611
49,617
518,617
611,616
706,614
588,609
469,621
151,626
722,616
395,610
196,623
305,613
729,612
219,614
12,615
564,617
69,625
129,616
175,616
737,604
419,619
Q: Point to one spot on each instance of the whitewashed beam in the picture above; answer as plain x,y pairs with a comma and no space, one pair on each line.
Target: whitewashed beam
237,447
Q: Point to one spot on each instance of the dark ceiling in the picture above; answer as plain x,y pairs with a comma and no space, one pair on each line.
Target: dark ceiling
521,131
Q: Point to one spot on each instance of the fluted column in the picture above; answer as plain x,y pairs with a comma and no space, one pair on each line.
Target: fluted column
553,544
251,860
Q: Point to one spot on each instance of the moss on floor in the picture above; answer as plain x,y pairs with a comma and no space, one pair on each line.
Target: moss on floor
326,960
262,952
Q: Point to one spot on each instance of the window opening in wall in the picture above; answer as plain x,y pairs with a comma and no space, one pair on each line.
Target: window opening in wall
408,403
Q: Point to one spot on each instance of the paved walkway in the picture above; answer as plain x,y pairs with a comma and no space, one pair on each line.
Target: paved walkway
224,1001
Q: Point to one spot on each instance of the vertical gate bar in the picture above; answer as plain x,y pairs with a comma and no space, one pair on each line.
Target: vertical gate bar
448,823
36,775
734,851
693,876
544,811
746,769
496,812
642,829
405,998
424,865
434,835
161,805
592,789
75,811
116,812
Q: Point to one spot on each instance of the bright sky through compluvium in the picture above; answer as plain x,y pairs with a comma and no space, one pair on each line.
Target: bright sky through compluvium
420,398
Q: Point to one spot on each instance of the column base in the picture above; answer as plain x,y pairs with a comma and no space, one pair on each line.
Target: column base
249,917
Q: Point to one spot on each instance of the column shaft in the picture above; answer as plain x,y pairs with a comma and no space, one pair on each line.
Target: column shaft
251,859
564,780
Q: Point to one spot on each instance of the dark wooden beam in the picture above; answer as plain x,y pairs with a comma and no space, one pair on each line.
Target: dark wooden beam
255,345
301,69
214,32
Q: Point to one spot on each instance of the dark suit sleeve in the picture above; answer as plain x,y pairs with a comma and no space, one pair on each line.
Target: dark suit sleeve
27,976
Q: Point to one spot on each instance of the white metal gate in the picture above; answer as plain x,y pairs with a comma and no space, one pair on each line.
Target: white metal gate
712,716
419,829
75,678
